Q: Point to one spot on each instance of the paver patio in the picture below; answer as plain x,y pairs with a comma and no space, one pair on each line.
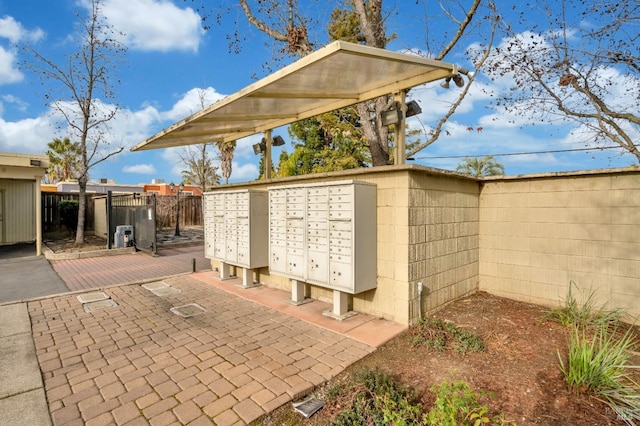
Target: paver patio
139,363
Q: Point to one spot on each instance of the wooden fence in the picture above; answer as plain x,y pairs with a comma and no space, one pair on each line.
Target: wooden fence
190,211
51,219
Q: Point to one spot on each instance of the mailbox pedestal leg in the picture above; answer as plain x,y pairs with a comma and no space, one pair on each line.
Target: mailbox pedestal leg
225,271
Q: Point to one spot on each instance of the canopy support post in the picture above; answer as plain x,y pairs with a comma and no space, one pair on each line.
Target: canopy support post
399,128
267,154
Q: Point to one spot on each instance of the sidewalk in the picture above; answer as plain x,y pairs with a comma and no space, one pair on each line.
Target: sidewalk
132,360
22,395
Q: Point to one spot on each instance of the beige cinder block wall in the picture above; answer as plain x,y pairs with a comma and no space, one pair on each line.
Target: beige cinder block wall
443,239
539,233
427,228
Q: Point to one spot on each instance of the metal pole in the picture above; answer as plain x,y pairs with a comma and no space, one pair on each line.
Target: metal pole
177,234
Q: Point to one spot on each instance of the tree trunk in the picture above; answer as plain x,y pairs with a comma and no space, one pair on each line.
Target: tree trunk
82,208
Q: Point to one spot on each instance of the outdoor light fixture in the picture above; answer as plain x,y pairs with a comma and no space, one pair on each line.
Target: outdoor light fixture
392,116
261,147
413,109
457,79
393,113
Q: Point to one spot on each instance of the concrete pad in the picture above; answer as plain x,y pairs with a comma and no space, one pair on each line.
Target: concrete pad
19,369
29,408
14,319
28,278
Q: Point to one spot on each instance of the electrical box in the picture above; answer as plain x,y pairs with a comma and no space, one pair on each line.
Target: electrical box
123,236
236,227
325,234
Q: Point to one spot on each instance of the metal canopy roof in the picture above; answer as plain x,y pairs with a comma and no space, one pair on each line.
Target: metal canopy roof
338,75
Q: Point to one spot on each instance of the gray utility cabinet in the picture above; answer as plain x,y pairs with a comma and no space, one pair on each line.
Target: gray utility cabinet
236,227
325,234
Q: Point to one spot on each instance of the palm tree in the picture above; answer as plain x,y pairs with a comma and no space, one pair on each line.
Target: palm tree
485,166
64,160
226,157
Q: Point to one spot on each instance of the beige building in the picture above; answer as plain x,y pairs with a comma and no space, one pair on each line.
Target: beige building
20,200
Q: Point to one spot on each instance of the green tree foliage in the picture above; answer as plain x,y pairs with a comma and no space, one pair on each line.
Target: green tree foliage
64,160
69,213
485,166
329,142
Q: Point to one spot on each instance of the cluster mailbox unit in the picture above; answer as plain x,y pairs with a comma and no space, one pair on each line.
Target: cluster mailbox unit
236,231
322,234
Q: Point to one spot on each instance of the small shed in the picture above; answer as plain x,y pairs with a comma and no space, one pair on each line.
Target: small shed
20,198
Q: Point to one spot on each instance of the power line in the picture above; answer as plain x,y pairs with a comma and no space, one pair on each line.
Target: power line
519,153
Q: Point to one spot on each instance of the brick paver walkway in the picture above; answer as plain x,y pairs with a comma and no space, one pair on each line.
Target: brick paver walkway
95,272
138,363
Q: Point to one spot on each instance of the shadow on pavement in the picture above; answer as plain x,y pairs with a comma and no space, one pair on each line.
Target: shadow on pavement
15,251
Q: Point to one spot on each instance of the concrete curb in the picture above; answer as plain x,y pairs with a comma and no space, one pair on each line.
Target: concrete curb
50,255
22,395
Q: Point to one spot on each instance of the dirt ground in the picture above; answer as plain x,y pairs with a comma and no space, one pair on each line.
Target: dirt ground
67,243
520,366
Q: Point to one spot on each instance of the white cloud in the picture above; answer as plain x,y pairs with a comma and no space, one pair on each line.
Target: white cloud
244,172
9,72
191,102
155,25
15,32
29,135
144,169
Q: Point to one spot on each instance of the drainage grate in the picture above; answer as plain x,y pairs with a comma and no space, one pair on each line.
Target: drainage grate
98,305
187,311
155,286
92,297
166,291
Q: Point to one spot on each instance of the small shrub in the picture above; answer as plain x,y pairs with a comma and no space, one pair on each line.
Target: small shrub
376,398
457,404
597,364
583,314
69,213
438,335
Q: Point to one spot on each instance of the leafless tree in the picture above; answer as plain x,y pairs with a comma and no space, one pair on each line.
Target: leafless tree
582,65
199,168
78,89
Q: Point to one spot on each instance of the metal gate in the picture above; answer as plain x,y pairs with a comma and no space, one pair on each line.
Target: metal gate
136,210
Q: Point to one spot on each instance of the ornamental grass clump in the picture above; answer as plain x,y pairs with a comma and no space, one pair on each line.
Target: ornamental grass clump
598,365
585,313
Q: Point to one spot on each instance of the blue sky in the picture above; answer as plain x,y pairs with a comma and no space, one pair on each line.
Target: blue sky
171,60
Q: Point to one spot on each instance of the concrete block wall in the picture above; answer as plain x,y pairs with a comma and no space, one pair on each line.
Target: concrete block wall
427,226
540,233
443,240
